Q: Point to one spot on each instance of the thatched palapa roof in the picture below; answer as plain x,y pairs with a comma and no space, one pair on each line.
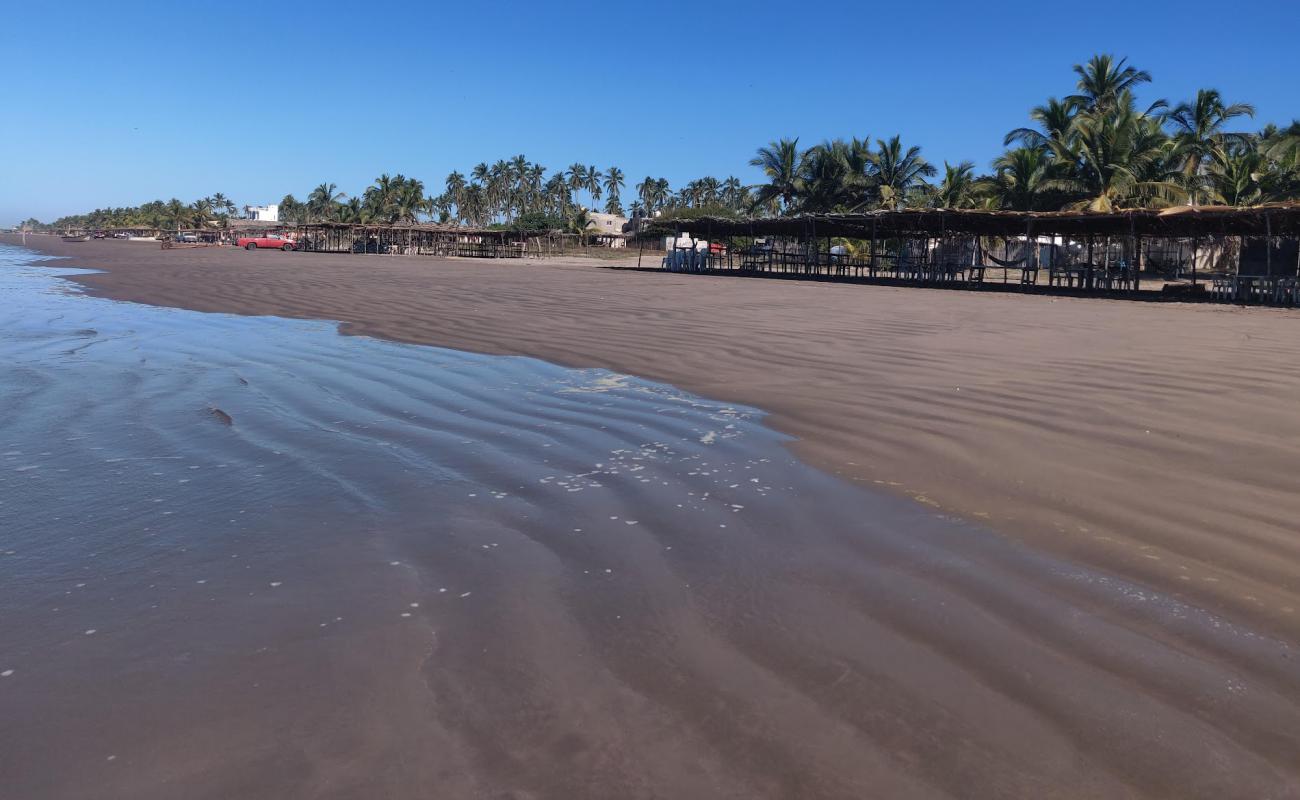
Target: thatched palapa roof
432,227
1280,219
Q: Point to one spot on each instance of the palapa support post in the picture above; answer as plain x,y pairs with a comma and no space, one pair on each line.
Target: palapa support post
1268,244
1031,260
1137,253
872,268
1091,266
1196,244
708,247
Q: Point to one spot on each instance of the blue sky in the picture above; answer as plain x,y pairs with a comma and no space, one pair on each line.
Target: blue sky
117,104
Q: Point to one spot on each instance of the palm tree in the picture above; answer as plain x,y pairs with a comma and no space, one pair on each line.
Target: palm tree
644,190
591,182
579,222
322,201
407,200
223,203
177,214
1103,79
614,183
455,192
474,208
826,179
731,193
1119,159
959,188
354,211
899,171
1199,132
782,162
200,212
576,177
1021,177
1238,175
1055,118
660,193
557,193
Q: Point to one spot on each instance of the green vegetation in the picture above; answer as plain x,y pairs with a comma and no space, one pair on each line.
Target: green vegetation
1097,148
213,211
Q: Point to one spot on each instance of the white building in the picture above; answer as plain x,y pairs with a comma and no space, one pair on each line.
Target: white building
262,213
608,227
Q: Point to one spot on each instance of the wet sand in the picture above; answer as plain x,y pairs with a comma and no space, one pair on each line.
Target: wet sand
1156,442
727,622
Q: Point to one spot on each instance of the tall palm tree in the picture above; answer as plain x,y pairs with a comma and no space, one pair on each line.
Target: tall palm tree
1055,119
1238,175
177,214
614,183
322,201
1199,132
290,211
1021,177
576,178
1120,159
408,201
660,193
454,192
781,162
644,190
1103,79
826,181
222,203
958,188
731,189
591,182
899,171
201,212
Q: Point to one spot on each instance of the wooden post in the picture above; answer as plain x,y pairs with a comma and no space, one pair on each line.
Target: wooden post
1297,258
1196,244
1088,279
1032,258
1268,243
872,268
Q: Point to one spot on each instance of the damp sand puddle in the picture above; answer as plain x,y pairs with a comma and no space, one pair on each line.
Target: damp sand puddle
251,557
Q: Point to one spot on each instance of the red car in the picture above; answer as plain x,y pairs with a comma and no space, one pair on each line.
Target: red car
270,242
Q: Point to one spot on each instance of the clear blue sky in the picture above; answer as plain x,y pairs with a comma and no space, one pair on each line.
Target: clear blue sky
117,104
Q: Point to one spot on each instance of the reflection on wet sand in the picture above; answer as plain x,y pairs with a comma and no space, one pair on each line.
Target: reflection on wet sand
247,557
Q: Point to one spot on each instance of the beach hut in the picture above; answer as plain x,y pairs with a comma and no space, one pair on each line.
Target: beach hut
1249,253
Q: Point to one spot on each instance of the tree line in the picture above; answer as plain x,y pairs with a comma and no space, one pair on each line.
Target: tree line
1096,148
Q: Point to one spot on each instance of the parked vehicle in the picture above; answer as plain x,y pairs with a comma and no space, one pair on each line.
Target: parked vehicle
99,235
270,242
120,235
187,237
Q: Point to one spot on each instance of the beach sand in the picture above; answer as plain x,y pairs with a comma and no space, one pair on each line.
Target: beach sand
1160,442
1156,445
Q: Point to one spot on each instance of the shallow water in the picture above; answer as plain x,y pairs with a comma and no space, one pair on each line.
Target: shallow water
251,557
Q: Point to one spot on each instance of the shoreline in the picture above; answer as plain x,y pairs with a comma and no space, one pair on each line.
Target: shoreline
1156,442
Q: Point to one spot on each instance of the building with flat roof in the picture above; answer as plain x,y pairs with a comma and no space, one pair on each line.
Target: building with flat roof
269,213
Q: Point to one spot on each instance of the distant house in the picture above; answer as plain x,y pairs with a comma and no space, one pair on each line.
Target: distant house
262,213
607,228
